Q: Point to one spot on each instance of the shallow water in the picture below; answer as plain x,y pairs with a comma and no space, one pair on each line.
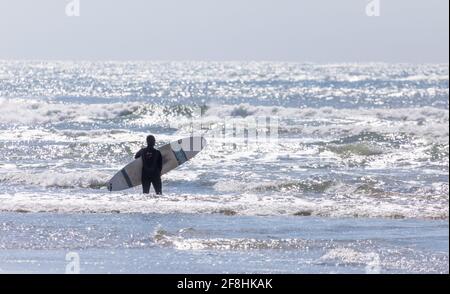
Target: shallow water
202,243
364,145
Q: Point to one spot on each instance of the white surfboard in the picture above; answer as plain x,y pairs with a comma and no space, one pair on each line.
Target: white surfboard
173,155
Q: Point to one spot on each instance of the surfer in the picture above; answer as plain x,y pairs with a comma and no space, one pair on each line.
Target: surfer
152,166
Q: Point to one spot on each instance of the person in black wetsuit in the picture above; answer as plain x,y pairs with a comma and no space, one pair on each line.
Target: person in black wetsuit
151,170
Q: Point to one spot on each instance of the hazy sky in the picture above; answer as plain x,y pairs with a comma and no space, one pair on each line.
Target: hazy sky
282,30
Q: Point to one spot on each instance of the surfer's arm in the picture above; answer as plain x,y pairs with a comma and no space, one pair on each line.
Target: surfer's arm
159,162
138,154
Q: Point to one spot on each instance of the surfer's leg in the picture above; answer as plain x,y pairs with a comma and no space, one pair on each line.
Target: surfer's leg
146,186
156,181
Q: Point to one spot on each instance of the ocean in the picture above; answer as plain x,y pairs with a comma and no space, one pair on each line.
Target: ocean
349,172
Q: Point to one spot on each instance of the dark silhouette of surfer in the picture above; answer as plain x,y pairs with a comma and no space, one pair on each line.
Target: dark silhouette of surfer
152,166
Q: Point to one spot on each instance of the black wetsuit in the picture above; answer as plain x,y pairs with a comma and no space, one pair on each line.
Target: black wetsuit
151,171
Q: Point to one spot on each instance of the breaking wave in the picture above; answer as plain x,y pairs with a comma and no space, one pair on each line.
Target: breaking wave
379,262
32,111
75,179
316,186
367,124
163,238
339,205
349,125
